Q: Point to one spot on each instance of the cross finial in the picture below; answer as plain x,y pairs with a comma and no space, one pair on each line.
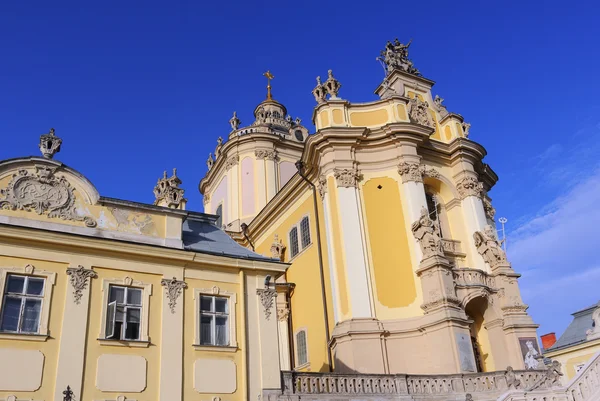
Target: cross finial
269,78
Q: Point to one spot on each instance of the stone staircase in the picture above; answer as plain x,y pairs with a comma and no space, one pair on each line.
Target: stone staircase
535,385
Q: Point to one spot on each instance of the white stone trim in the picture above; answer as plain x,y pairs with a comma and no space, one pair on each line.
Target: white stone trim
146,293
49,281
333,277
216,291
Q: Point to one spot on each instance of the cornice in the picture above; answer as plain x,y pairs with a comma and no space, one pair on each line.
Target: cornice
70,243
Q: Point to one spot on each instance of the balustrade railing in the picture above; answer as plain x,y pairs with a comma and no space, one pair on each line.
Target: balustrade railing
451,246
468,277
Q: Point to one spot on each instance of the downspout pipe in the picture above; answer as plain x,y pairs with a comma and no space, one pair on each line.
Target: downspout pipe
300,168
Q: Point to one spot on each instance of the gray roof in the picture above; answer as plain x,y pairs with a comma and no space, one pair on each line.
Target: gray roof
200,234
576,332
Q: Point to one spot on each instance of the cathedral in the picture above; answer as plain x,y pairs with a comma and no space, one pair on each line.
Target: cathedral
359,261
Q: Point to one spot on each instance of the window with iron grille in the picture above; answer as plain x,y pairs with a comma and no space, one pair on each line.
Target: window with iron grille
124,313
294,248
214,320
22,304
305,232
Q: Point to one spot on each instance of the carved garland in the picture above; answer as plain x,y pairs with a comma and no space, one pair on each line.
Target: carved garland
411,171
266,299
43,193
174,288
469,186
347,178
78,278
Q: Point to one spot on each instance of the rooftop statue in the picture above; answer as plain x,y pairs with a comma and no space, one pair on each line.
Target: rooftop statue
395,56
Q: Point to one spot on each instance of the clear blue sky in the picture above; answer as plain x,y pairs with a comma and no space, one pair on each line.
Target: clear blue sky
138,87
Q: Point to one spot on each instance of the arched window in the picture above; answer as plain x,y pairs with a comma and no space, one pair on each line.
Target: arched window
276,114
433,207
301,348
305,232
219,212
294,248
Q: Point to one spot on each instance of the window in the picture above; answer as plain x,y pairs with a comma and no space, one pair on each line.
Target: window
294,249
123,313
219,212
214,320
22,304
301,348
299,236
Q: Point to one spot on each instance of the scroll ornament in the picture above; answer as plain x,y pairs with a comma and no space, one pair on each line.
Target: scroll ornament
78,278
174,288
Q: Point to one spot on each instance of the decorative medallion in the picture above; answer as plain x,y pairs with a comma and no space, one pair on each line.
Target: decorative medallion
43,193
174,288
78,278
266,299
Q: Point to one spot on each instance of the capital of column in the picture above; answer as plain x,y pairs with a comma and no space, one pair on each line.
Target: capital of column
174,288
232,161
266,154
78,278
469,186
322,186
347,178
413,171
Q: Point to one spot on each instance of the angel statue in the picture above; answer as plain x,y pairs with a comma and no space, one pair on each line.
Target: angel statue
427,234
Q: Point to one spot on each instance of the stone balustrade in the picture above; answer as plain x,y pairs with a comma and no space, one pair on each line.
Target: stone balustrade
452,247
473,277
415,387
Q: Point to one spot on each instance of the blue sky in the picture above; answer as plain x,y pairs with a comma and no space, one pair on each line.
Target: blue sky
138,87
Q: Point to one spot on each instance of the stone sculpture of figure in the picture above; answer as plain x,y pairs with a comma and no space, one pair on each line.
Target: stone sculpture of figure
439,107
418,111
531,357
218,148
594,332
297,121
511,378
489,247
468,397
234,121
553,374
426,233
210,161
395,56
466,127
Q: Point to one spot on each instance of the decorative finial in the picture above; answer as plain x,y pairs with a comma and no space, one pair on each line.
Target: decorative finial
269,78
319,92
234,121
168,193
439,107
466,127
50,144
332,85
210,161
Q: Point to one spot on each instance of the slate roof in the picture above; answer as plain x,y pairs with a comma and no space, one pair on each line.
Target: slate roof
576,332
200,234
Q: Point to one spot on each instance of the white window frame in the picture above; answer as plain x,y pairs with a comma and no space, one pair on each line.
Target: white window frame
126,306
49,282
297,359
232,303
146,288
299,237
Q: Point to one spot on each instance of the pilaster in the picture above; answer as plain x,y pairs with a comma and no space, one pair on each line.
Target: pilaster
470,191
234,189
331,257
272,175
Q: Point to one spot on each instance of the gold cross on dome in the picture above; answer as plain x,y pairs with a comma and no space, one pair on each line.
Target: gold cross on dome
269,78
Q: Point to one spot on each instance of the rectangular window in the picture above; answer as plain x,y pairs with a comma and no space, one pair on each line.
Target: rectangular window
305,232
301,348
214,320
22,304
294,248
123,313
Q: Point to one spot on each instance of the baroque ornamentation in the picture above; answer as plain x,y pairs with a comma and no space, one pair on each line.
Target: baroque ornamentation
43,193
427,235
439,107
50,144
68,394
347,177
332,86
78,278
418,110
266,299
283,313
232,161
322,186
219,147
469,186
266,154
277,248
466,127
411,171
594,332
234,122
167,191
174,288
550,379
490,212
206,199
489,247
511,378
319,92
210,161
395,56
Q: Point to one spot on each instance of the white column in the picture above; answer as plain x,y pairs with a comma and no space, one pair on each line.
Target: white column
333,277
234,192
470,191
261,186
171,347
69,371
272,183
352,233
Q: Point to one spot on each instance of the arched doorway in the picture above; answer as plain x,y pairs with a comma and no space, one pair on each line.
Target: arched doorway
478,310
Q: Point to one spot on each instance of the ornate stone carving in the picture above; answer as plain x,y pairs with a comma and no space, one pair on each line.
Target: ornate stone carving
167,191
43,193
511,378
410,171
319,92
332,86
490,212
232,161
439,107
277,248
283,313
418,110
469,186
489,247
50,144
266,299
219,147
266,154
550,379
466,127
347,177
234,122
210,161
174,289
395,56
206,199
322,186
78,278
427,235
